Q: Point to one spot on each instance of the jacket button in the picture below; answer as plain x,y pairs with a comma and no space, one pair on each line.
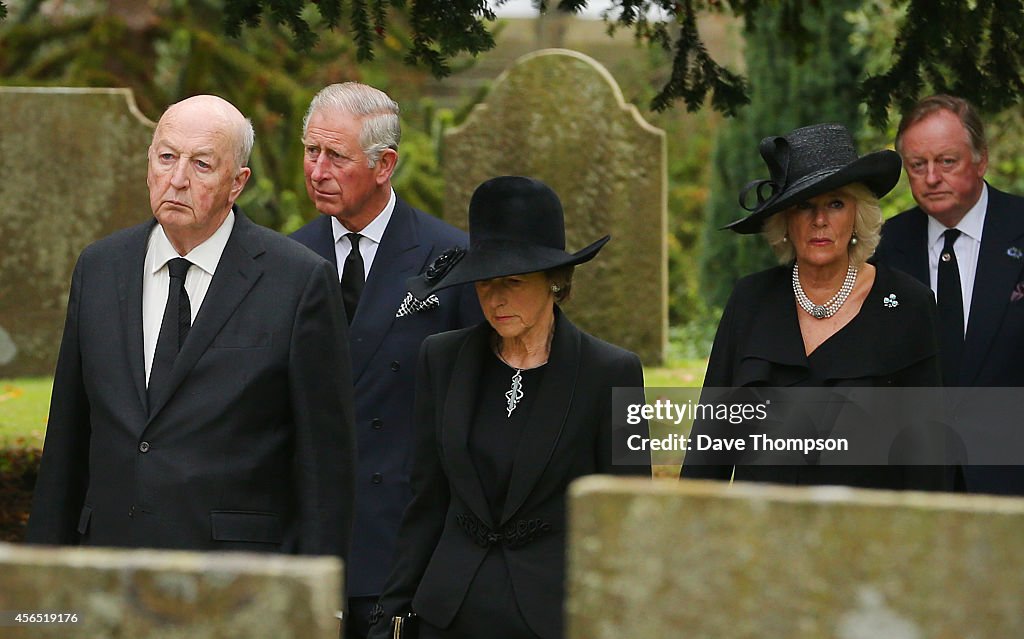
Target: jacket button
377,478
131,512
144,447
395,366
377,423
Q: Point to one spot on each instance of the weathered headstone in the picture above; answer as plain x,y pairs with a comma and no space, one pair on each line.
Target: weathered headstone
151,594
72,170
704,559
559,116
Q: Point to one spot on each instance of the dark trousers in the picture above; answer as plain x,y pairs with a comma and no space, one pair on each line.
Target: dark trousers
357,619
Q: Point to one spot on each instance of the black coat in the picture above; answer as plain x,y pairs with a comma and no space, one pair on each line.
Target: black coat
251,444
569,435
993,352
759,344
384,349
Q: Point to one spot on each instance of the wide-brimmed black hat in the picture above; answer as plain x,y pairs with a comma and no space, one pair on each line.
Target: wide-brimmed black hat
810,161
516,225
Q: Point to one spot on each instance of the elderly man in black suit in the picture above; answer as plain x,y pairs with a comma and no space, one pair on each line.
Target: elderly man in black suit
351,137
202,398
966,240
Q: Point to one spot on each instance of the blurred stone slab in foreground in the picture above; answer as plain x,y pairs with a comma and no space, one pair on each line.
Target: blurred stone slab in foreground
703,559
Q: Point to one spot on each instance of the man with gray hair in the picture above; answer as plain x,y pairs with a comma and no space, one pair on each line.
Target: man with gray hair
376,241
202,398
964,239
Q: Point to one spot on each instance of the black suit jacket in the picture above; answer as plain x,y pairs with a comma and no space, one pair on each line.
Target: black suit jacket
570,434
384,350
249,447
993,354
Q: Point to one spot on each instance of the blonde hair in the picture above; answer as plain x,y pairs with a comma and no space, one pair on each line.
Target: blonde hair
867,227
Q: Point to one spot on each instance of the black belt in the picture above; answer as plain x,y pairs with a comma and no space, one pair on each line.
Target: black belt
515,534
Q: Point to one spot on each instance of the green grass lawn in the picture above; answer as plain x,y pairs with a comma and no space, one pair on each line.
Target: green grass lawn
25,401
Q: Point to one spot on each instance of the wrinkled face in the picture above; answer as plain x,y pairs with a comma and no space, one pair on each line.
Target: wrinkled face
193,180
338,178
820,229
516,305
944,177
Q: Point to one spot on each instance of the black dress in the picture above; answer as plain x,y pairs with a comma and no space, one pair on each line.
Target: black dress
892,341
494,437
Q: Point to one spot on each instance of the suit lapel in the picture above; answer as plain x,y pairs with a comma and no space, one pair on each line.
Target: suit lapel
460,404
237,272
321,239
910,253
399,257
130,269
994,280
548,416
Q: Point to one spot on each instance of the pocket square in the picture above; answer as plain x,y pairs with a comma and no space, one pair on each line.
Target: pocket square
412,305
1018,292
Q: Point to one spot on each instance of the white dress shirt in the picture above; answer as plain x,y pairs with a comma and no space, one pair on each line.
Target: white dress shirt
156,279
967,247
373,232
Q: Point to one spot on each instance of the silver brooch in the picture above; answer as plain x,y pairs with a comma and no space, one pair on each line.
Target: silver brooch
516,392
1015,252
890,301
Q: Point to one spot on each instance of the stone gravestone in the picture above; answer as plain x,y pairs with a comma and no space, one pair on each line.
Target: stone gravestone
559,116
159,594
704,559
72,170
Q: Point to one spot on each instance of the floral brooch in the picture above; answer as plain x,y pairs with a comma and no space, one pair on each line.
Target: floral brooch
890,301
444,263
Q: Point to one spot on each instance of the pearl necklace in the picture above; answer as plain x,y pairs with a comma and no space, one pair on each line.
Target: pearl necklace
831,307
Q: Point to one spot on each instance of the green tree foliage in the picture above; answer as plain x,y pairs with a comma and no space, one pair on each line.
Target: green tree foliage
173,49
789,90
974,48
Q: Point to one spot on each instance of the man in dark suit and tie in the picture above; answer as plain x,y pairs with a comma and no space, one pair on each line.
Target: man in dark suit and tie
966,240
377,241
202,398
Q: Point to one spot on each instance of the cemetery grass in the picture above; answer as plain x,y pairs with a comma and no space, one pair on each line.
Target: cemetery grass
25,401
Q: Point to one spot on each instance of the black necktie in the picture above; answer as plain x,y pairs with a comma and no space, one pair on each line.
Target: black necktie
174,326
352,277
951,310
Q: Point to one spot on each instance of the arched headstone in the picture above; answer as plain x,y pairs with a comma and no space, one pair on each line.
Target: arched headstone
72,170
559,116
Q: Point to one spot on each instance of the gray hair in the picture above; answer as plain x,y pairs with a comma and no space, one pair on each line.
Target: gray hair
867,227
381,127
959,107
245,137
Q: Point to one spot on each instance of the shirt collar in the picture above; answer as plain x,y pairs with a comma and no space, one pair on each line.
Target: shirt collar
375,229
205,256
970,225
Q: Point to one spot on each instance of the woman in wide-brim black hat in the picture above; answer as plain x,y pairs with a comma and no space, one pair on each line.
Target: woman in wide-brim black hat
826,316
508,413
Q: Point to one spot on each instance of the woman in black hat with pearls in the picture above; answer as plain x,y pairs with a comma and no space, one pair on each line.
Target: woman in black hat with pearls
508,413
826,316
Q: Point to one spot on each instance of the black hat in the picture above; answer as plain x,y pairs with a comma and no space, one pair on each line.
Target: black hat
810,161
516,226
